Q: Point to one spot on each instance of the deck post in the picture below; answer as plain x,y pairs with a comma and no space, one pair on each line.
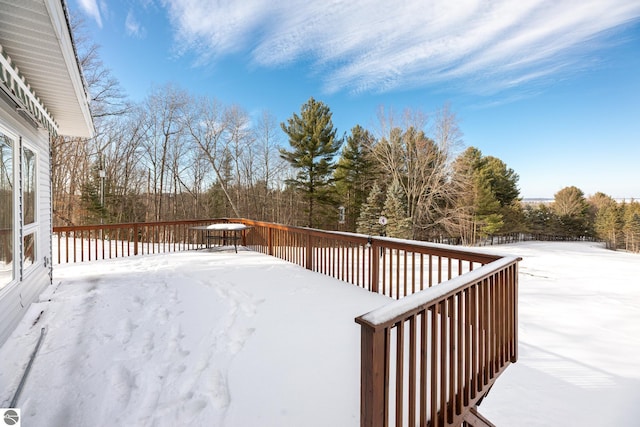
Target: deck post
514,306
372,375
374,276
135,239
309,253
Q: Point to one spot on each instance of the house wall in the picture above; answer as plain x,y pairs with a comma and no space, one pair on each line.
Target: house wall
30,278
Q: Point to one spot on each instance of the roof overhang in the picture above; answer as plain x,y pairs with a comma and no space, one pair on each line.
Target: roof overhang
44,74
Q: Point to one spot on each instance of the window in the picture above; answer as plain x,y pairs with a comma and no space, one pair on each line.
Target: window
29,186
29,250
29,208
7,228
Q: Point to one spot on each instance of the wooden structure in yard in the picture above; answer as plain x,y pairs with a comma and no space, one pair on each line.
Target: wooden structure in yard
428,357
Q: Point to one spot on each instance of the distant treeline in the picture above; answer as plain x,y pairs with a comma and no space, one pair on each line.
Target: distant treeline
176,155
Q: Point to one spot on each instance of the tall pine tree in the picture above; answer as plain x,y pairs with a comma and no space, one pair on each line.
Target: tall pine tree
368,220
353,173
488,202
631,228
395,209
609,224
314,145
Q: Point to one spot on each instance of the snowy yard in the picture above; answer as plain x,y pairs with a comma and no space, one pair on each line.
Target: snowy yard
225,339
579,336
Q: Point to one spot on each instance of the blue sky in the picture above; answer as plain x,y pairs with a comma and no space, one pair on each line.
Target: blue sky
552,88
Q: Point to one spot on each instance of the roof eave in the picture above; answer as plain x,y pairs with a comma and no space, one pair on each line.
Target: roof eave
62,27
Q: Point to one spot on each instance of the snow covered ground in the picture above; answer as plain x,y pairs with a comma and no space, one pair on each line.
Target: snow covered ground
579,336
225,339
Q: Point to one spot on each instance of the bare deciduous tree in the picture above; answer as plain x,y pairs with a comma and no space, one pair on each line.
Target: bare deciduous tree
268,173
207,127
421,165
72,158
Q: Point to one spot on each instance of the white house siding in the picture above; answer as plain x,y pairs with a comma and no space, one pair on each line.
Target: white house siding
40,85
29,282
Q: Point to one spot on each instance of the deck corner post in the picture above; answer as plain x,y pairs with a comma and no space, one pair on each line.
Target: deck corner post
514,304
372,380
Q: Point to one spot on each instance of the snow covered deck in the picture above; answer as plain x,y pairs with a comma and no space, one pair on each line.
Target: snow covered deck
191,338
200,338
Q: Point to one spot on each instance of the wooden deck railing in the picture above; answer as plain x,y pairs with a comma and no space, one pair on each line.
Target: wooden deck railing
92,242
391,267
427,358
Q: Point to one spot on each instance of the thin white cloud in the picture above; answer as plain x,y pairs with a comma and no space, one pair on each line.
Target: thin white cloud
216,29
374,45
91,8
133,26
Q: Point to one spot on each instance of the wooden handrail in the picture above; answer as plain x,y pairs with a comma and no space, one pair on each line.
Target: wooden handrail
102,241
429,358
426,359
400,267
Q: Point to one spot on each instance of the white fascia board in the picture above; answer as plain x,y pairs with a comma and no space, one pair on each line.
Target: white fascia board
61,28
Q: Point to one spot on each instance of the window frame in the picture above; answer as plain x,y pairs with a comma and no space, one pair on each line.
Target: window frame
28,147
32,227
16,261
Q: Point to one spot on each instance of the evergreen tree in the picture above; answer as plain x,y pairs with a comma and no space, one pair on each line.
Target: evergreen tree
368,220
608,224
353,173
485,200
92,199
631,227
502,180
314,146
395,209
491,225
489,197
541,221
507,216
